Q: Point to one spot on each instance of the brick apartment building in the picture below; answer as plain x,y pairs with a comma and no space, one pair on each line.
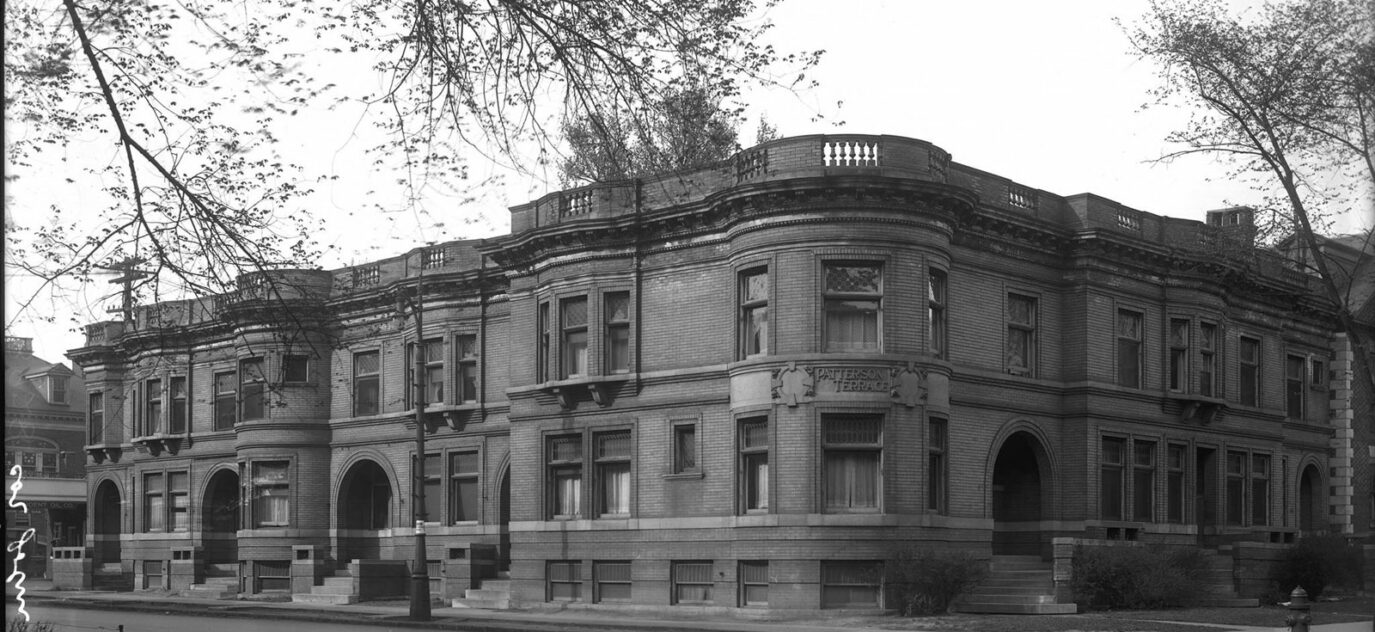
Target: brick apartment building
45,421
743,386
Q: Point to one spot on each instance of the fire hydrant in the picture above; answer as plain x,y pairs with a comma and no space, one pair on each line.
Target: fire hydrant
1298,602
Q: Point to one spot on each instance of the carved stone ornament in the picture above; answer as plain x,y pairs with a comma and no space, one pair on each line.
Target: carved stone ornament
792,384
909,385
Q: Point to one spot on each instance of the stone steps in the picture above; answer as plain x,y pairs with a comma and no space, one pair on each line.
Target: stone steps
493,594
336,590
1016,584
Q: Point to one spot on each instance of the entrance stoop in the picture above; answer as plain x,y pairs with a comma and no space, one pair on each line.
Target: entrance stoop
495,594
1219,588
1016,584
337,590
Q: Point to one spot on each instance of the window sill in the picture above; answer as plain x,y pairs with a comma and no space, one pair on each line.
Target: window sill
99,452
602,389
684,476
1204,410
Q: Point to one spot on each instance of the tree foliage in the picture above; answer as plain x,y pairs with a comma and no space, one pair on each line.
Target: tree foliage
691,127
1288,95
184,104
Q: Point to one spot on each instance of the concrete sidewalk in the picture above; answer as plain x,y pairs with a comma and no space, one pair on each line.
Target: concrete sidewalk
395,613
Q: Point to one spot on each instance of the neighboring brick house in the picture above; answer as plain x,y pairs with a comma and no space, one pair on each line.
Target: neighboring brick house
45,420
1351,261
741,386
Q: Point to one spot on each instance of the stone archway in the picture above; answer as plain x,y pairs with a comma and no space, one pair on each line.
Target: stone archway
1312,518
504,520
364,510
1020,486
107,520
220,518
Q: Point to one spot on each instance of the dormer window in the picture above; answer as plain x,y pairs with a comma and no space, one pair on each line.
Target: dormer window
57,389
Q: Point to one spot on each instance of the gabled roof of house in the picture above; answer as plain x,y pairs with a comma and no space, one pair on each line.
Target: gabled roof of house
24,388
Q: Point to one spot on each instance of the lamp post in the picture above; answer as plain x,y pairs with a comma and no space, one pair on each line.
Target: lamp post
420,574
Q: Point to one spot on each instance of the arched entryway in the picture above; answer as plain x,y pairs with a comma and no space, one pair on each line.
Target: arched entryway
1311,515
364,509
107,520
504,516
220,518
1021,481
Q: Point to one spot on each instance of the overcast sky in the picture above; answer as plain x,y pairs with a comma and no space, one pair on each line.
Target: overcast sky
1043,93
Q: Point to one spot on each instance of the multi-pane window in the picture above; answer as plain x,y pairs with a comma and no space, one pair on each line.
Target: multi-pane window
432,379
295,369
366,383
433,487
1129,348
565,581
178,413
754,583
465,495
1111,479
936,481
252,389
573,351
853,304
57,387
692,582
154,503
1143,481
1248,370
95,416
851,584
1179,355
617,319
612,581
1021,334
1260,489
1208,385
542,357
935,312
467,368
754,464
179,499
1294,386
613,473
684,448
226,400
565,476
271,494
1174,484
754,312
853,447
152,407
1236,487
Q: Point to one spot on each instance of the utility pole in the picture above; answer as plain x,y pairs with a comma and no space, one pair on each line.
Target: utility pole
130,273
420,574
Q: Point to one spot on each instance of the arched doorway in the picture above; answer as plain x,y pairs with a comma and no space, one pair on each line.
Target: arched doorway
504,516
1020,482
220,518
1310,500
364,510
107,522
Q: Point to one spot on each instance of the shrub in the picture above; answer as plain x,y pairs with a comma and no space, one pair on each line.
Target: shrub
20,625
1319,562
1136,577
925,581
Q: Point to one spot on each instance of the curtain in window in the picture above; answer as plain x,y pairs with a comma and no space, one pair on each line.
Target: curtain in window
616,488
567,486
852,325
